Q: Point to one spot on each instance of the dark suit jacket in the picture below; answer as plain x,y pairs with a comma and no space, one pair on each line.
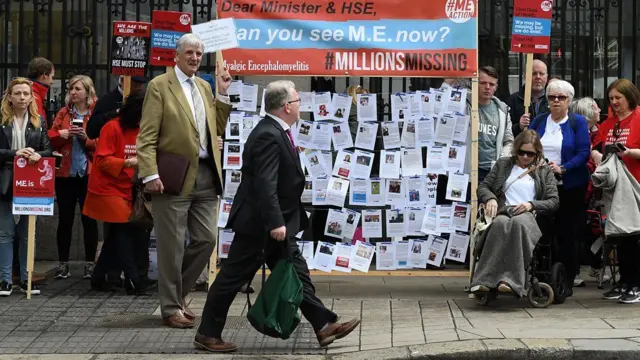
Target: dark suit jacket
272,182
106,109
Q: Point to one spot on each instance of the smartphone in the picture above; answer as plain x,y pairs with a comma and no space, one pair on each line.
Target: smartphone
78,122
621,147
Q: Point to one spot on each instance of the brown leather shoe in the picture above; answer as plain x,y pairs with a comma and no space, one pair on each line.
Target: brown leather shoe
212,344
335,331
187,312
178,320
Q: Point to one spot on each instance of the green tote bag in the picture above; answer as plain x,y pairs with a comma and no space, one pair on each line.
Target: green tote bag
275,312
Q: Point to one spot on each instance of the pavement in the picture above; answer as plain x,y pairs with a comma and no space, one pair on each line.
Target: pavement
402,318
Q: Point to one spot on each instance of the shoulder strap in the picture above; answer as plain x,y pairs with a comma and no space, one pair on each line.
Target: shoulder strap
529,170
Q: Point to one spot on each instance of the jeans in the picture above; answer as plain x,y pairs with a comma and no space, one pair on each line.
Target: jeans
8,228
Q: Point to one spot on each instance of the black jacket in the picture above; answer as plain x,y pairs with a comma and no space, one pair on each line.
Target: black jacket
272,182
35,138
546,187
516,109
106,109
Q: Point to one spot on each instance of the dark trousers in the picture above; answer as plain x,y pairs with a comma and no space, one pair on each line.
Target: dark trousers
118,252
568,219
141,238
245,259
69,192
628,253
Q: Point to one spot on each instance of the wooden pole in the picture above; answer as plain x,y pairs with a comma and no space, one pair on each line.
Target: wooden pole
126,87
213,260
527,84
31,242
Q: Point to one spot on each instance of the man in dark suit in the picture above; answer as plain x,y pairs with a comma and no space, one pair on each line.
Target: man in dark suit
266,214
108,105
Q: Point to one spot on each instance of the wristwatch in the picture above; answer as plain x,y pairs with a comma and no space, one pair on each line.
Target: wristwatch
562,169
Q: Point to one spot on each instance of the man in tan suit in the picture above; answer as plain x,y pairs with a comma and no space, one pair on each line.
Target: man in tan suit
180,116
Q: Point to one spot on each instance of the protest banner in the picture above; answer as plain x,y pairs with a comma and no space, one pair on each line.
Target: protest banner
166,29
130,48
33,194
360,38
531,31
531,34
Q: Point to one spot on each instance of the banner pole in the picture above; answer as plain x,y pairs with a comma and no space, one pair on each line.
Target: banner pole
126,87
527,84
213,260
31,237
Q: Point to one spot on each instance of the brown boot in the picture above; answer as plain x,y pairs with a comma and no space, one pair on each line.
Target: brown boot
212,344
335,331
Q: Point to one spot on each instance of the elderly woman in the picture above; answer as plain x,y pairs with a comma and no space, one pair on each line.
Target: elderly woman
623,127
566,144
588,108
515,187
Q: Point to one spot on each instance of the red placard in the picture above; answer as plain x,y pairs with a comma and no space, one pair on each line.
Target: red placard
34,180
531,30
167,28
130,48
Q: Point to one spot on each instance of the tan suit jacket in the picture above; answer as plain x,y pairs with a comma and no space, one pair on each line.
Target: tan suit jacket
168,125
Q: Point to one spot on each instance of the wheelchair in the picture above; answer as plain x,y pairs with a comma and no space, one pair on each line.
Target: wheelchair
547,279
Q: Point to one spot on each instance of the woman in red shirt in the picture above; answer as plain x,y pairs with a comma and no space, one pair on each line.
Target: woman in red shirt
623,127
110,196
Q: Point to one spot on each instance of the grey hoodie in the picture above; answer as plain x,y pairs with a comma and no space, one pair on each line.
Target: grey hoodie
503,148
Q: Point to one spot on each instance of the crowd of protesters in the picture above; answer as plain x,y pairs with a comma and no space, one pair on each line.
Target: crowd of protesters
95,142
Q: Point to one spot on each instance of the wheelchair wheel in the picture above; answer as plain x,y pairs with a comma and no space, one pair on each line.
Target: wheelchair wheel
559,283
483,299
540,301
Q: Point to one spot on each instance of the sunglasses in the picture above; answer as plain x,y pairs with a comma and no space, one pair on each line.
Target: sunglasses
527,153
557,97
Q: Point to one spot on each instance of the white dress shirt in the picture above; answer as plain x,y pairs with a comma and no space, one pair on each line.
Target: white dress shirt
186,89
283,124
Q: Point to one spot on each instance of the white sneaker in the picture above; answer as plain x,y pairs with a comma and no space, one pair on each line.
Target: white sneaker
577,282
5,289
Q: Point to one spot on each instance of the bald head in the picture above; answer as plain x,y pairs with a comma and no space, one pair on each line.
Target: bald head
540,76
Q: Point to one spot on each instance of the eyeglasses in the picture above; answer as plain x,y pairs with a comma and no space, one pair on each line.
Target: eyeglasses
557,97
292,101
527,153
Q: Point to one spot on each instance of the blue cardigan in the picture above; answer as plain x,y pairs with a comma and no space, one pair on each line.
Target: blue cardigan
576,146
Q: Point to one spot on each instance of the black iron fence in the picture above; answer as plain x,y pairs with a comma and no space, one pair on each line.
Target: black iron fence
593,42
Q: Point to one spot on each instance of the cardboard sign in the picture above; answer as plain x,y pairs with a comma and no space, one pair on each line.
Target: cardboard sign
130,48
33,186
167,28
531,31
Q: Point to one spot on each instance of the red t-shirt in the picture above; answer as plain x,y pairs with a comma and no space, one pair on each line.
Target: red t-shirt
629,136
109,176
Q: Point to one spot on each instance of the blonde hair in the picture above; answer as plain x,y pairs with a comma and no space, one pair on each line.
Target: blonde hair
88,88
7,113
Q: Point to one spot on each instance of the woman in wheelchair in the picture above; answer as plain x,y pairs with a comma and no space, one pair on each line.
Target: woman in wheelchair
516,187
